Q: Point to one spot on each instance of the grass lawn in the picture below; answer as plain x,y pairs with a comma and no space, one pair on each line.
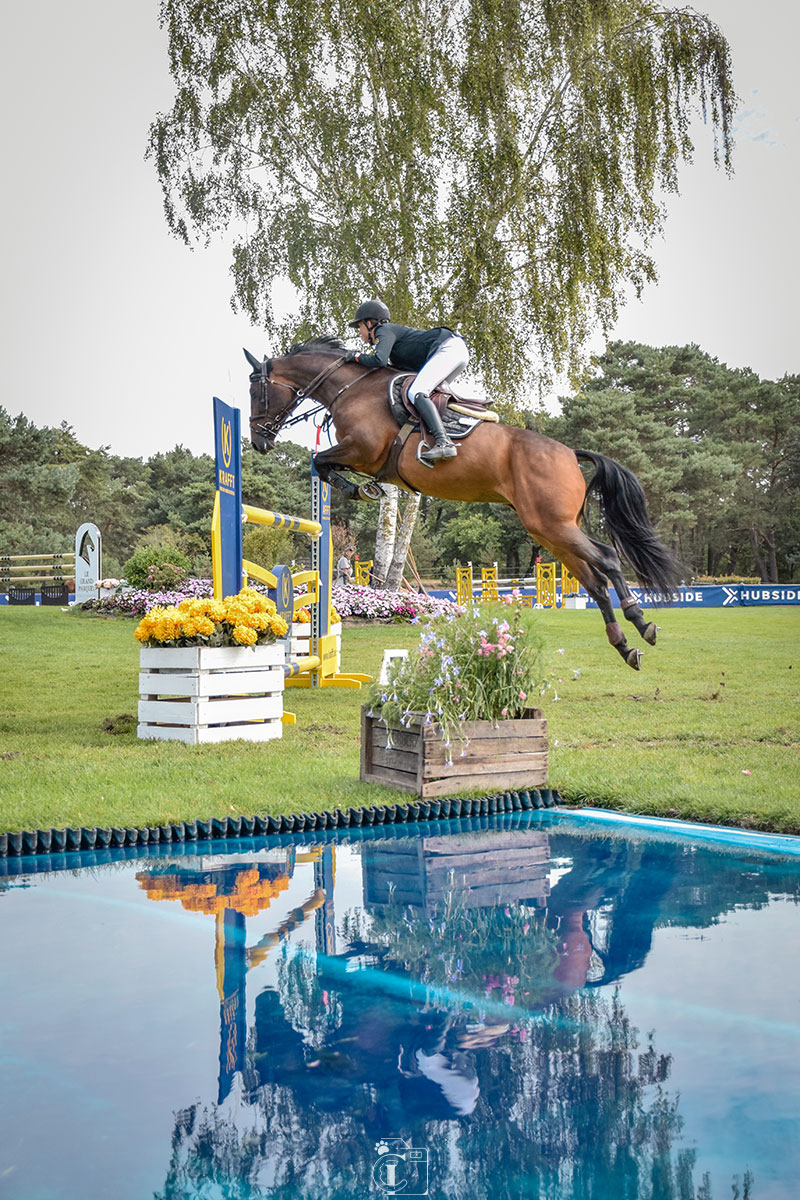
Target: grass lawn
708,730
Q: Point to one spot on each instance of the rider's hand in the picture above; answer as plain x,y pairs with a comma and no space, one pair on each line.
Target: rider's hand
350,356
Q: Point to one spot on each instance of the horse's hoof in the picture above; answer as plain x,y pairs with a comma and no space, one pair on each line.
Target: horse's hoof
634,659
370,491
650,632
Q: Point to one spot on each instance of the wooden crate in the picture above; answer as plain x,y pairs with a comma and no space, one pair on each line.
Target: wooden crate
211,694
509,755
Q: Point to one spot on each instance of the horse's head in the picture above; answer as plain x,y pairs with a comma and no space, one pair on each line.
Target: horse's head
278,385
265,405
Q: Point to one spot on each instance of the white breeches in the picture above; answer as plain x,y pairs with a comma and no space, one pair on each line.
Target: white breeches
444,365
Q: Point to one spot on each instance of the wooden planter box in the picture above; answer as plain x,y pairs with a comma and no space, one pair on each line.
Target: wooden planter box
509,755
200,694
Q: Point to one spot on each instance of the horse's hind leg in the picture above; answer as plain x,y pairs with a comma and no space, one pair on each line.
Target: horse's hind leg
612,567
597,586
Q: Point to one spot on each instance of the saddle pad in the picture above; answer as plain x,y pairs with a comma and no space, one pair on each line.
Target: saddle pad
457,424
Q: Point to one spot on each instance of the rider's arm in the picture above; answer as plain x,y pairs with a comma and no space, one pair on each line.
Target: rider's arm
385,337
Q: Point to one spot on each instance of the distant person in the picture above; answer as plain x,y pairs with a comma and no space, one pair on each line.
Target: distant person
344,568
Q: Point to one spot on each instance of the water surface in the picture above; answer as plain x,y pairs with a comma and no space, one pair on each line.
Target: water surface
522,1005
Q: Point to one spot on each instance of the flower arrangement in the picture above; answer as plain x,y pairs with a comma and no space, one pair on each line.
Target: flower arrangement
248,619
136,601
481,665
373,605
109,585
303,616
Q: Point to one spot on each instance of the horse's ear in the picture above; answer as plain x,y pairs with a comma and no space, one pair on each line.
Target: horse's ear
255,363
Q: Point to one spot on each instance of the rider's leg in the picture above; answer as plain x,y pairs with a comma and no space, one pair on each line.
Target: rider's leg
442,446
446,363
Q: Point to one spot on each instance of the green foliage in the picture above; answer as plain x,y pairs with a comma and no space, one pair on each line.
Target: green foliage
265,546
501,167
470,536
459,948
157,568
716,449
50,483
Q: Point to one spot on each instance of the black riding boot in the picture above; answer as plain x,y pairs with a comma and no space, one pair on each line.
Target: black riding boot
442,446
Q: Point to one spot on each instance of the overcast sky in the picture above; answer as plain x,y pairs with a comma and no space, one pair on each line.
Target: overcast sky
112,325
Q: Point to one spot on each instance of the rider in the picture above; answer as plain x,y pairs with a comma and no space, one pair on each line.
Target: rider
437,355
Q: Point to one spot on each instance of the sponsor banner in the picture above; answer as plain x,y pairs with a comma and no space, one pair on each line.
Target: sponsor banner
228,466
687,596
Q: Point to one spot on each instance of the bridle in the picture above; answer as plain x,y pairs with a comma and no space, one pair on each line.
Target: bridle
270,427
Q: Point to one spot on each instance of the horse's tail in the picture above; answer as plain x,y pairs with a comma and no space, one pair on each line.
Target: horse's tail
629,525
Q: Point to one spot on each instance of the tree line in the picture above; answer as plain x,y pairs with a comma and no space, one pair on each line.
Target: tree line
717,451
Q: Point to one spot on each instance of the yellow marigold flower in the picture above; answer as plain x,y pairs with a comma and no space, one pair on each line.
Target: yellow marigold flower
244,635
303,616
205,626
252,599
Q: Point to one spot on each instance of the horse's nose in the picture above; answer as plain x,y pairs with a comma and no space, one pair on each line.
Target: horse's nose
261,443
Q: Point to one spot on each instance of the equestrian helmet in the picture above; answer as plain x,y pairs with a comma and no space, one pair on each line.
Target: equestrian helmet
370,310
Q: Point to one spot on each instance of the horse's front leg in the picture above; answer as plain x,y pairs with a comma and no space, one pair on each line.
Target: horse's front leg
329,465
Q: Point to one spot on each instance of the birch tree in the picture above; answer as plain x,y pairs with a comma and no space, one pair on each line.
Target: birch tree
499,166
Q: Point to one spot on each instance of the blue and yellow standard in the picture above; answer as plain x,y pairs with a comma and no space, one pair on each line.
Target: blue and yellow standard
231,570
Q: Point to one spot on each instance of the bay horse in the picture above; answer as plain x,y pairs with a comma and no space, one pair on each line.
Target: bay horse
498,464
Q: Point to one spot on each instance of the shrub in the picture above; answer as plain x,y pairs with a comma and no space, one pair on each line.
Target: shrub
137,568
726,579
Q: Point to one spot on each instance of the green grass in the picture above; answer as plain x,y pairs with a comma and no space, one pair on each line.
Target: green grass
716,698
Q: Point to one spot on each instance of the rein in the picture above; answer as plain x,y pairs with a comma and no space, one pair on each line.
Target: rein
272,427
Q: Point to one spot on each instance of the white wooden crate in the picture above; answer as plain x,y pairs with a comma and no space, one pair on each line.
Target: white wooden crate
200,694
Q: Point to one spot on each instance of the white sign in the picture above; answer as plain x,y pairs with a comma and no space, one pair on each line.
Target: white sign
88,561
390,656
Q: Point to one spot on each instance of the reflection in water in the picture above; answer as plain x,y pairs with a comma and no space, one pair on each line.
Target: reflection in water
458,1008
233,892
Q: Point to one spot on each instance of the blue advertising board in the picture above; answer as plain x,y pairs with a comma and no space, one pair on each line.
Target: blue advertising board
228,468
687,596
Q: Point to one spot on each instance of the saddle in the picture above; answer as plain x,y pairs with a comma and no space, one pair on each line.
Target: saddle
460,414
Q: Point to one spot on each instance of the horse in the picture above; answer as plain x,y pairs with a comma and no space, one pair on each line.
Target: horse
538,477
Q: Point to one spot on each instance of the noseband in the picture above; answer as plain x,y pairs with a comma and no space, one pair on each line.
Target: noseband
270,427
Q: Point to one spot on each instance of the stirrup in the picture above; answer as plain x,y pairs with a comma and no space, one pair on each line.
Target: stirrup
447,447
421,449
369,491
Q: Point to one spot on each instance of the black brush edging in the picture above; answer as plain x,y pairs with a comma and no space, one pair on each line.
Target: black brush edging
45,841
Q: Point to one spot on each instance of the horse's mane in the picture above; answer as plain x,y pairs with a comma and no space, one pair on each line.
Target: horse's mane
325,344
